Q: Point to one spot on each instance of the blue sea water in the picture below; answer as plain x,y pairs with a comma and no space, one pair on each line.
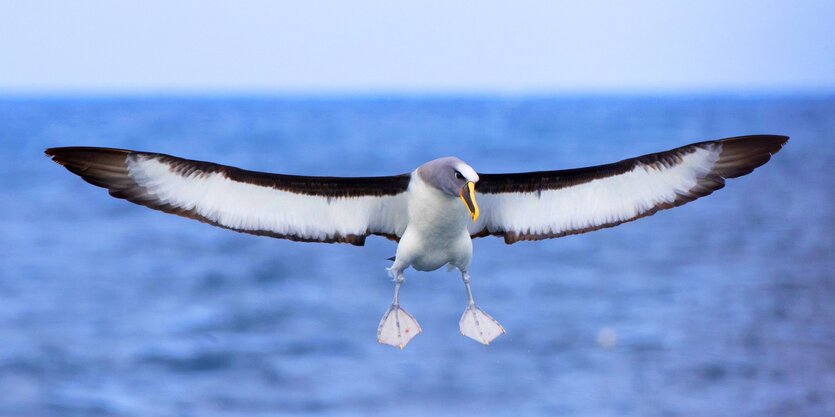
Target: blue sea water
720,307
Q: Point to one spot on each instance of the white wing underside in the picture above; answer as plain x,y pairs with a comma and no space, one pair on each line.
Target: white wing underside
603,201
248,207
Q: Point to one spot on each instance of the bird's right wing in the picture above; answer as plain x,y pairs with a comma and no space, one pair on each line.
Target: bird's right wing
301,208
550,204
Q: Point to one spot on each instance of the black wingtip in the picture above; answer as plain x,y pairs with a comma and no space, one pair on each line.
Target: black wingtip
778,141
55,155
770,141
51,152
66,149
742,154
783,140
770,144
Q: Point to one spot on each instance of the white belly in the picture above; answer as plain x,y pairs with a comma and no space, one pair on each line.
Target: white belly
437,231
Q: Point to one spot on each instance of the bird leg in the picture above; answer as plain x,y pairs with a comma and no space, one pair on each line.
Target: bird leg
397,327
475,323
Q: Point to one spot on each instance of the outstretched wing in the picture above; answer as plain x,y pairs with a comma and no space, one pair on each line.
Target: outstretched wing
550,204
308,209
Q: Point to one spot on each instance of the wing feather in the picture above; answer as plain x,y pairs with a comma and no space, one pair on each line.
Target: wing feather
301,208
551,204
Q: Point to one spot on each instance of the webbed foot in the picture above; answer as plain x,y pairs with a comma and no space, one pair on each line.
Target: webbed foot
479,326
397,327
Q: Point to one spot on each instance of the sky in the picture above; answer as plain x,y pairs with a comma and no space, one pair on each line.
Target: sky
427,46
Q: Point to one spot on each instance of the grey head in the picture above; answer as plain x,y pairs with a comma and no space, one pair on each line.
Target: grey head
454,178
448,174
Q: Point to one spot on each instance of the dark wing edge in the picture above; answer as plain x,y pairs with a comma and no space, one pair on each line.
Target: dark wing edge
739,156
108,168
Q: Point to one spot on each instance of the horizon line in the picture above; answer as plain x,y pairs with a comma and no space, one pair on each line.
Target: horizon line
265,93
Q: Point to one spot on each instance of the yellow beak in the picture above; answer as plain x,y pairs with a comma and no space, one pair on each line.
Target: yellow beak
468,197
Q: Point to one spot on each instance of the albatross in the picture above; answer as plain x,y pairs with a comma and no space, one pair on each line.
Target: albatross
433,212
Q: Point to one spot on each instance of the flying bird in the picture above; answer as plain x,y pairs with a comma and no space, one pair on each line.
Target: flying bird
433,212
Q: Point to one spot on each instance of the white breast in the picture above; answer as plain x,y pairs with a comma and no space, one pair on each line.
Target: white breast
437,231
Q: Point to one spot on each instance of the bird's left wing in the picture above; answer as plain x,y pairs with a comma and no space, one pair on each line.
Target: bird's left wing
301,208
550,204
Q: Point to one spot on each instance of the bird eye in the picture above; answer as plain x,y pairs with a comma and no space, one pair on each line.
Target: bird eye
458,175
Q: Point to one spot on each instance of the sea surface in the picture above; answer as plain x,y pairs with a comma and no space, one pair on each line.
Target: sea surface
722,307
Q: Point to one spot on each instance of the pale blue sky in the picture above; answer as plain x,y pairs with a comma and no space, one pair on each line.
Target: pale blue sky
419,46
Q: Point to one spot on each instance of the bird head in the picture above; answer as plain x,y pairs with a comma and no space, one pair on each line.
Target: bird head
454,178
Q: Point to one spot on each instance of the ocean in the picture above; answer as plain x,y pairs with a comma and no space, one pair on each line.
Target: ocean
722,307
